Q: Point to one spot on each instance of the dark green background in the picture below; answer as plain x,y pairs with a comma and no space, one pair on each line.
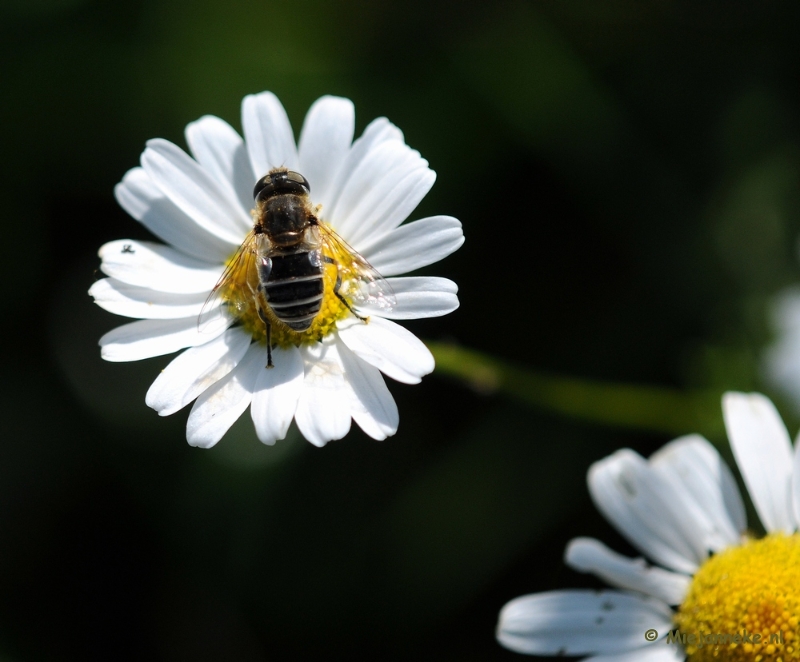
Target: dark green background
627,176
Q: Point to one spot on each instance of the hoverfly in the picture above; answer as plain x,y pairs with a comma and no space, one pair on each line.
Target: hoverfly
280,269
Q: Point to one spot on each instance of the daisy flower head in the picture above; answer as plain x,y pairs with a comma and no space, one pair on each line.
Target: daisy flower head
717,592
311,288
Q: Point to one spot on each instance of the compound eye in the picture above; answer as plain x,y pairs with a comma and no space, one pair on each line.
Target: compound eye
298,179
261,184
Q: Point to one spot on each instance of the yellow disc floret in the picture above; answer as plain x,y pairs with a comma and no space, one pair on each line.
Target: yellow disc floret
744,604
243,296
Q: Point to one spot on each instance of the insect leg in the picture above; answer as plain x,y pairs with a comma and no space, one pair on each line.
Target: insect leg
265,319
338,294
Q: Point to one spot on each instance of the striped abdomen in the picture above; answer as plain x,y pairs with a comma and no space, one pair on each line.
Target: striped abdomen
293,286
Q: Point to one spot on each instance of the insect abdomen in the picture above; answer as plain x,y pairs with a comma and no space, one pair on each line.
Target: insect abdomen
294,287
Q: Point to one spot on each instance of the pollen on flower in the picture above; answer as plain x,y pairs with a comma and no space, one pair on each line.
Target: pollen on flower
242,295
752,589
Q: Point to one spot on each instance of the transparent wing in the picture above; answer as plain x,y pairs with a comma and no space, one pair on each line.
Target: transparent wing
238,284
361,284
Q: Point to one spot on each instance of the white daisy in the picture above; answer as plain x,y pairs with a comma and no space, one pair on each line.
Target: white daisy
682,509
200,207
782,358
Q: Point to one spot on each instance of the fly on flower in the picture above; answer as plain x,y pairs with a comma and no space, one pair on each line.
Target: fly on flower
271,256
293,273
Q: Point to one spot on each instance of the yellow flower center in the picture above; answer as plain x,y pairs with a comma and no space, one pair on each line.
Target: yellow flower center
744,604
242,294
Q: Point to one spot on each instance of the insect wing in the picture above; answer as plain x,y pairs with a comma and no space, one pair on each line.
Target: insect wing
361,284
237,286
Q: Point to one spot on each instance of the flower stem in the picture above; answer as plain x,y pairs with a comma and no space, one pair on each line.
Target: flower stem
653,408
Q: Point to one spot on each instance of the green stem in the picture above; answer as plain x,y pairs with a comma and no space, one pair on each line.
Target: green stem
653,408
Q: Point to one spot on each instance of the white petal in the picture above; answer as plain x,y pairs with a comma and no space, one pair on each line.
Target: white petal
796,482
392,349
324,143
377,132
782,365
221,151
323,411
270,141
648,510
194,191
277,392
661,651
220,405
192,372
395,206
580,622
380,186
143,200
369,186
131,301
763,452
418,297
785,310
414,245
144,339
590,555
700,473
372,406
782,360
159,267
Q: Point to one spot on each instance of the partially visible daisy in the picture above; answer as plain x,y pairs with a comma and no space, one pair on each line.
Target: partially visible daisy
682,509
782,358
200,207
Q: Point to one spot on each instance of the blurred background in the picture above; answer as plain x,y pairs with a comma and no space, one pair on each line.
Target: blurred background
627,176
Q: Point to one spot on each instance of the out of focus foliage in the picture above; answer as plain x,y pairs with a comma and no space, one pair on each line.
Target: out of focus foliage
627,176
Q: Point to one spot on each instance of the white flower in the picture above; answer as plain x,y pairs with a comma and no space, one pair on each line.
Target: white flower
782,358
682,509
200,207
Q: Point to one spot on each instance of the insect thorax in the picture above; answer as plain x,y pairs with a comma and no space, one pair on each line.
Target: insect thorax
285,219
